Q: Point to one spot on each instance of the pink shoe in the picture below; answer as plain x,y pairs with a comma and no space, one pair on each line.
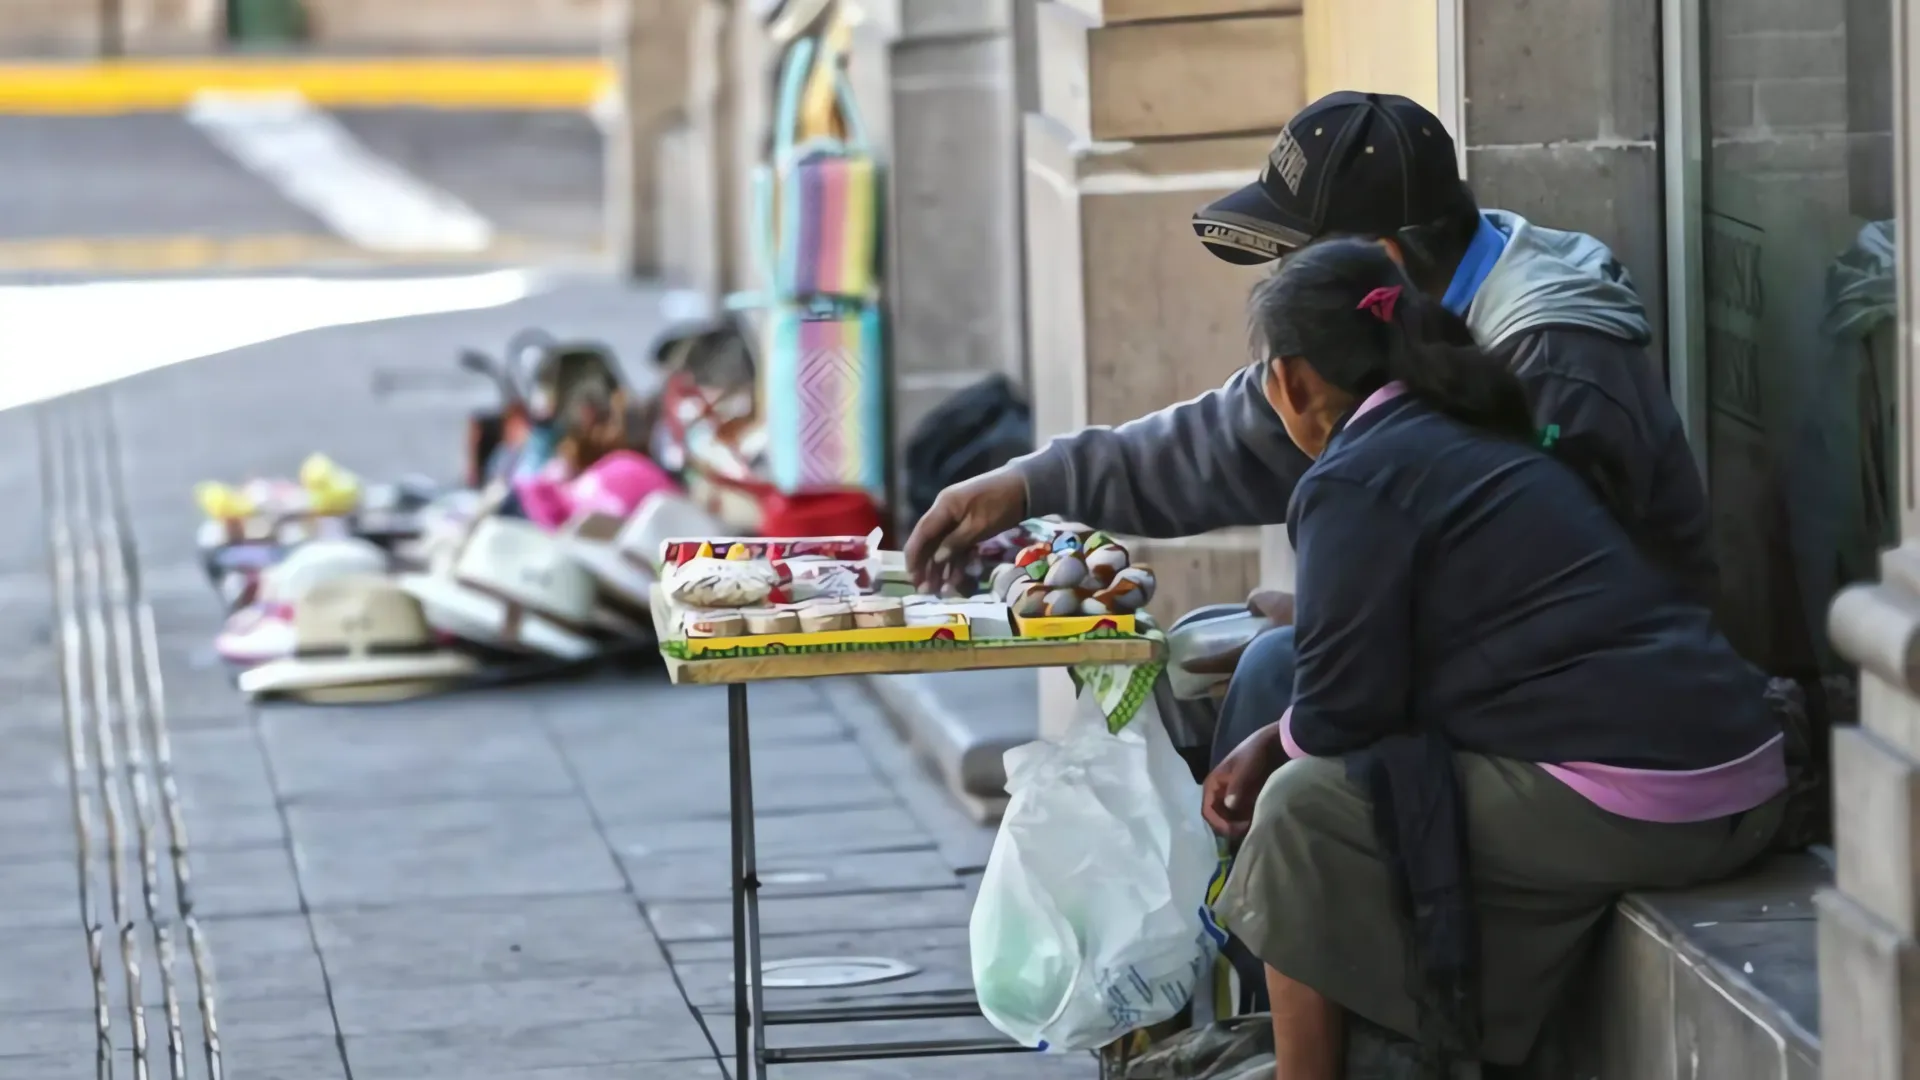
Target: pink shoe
256,634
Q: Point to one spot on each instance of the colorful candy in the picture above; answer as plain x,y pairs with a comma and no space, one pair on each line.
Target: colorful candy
1106,561
848,548
1031,554
1061,602
1067,571
1002,578
1028,599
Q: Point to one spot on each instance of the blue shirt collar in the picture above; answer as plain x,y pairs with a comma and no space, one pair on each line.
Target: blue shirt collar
1482,252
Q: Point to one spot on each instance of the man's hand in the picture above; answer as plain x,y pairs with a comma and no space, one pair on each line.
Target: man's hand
1227,798
964,515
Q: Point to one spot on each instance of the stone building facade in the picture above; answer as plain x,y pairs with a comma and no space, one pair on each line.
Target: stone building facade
78,28
1870,922
1738,155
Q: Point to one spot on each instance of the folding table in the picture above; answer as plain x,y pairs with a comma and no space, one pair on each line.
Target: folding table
750,1017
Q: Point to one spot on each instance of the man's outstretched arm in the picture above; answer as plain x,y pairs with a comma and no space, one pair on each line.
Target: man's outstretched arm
1220,459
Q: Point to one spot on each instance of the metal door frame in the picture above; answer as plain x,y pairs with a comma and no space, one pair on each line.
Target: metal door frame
1683,166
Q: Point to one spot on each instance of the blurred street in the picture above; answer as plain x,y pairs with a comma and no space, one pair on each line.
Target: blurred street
517,885
257,186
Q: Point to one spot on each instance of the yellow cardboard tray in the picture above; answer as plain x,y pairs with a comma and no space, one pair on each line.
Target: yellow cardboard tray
956,629
1067,626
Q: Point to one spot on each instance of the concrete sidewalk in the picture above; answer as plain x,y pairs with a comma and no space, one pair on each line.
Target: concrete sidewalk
520,885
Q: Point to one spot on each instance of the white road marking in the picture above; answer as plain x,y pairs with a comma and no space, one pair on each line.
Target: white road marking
103,331
317,164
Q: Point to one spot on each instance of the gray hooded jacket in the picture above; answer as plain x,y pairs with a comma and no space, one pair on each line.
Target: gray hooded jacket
1556,307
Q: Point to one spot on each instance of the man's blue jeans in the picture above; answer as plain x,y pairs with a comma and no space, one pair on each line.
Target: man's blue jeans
1261,689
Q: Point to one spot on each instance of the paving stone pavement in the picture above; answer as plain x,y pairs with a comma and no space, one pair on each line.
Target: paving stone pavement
526,884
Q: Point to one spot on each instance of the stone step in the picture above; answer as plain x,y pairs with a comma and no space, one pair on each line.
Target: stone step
1714,983
961,723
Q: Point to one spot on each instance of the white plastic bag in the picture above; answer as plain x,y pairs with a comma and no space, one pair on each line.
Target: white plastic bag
1092,917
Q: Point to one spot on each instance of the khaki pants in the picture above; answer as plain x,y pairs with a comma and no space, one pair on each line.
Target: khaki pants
1310,893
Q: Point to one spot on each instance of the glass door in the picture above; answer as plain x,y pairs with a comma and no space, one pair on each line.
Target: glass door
1796,309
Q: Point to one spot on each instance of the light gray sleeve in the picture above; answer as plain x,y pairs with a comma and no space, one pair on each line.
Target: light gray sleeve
1221,459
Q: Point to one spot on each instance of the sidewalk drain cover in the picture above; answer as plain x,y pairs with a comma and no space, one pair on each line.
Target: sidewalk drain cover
815,972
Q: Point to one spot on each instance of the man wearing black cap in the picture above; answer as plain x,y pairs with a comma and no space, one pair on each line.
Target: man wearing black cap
1556,307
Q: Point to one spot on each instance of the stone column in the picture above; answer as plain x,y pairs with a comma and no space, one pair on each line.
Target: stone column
1870,921
690,165
1385,46
954,260
746,122
169,27
1382,46
1562,123
1147,110
707,149
455,24
1144,117
89,28
650,51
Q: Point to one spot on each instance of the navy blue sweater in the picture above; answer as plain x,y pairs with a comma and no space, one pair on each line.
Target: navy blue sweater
1468,585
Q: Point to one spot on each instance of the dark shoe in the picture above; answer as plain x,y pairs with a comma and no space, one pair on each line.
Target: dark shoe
1374,1053
1229,1050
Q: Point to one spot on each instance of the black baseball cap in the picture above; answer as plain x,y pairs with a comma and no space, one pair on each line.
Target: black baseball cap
1350,163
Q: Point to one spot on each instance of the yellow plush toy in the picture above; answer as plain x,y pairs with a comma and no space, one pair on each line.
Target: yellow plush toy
222,502
331,490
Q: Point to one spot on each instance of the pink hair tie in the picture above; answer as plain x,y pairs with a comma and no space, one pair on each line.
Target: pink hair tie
1380,302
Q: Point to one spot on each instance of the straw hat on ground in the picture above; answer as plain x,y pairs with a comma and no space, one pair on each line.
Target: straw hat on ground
264,630
592,539
661,518
512,586
624,556
359,639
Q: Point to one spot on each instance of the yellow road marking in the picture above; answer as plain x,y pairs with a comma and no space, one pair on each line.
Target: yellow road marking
268,251
427,82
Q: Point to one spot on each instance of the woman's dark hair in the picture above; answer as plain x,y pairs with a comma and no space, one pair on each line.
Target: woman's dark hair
1432,249
1347,310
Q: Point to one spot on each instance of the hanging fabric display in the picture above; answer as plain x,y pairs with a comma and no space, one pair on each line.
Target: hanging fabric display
832,205
822,387
825,364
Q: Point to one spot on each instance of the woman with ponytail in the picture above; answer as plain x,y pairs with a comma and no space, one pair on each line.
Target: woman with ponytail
1506,711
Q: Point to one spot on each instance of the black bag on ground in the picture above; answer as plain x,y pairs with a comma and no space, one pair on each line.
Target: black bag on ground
975,431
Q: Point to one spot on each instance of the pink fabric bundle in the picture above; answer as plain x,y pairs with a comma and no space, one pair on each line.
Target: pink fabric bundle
614,485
